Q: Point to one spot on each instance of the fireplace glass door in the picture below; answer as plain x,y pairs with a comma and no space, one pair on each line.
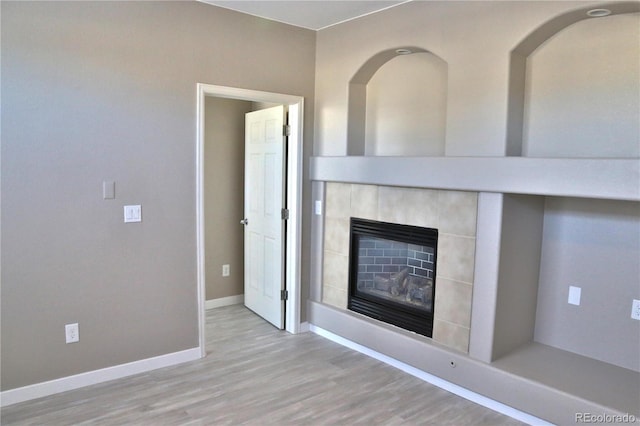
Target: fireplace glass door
392,273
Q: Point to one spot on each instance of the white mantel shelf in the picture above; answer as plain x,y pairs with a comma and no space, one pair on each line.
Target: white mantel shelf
614,179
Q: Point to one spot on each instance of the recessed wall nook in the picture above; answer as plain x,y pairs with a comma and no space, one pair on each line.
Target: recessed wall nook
515,229
389,94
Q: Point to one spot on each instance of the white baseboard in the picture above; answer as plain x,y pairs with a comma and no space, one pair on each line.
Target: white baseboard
38,390
224,301
434,380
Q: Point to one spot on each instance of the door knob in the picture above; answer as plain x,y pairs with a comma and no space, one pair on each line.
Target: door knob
244,221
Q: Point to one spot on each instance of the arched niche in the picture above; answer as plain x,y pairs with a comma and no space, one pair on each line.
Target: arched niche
573,88
397,104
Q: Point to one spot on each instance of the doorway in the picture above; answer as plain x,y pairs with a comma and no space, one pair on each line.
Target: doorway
293,195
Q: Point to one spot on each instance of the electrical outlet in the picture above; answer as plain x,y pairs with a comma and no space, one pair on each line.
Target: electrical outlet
635,309
72,333
225,270
132,214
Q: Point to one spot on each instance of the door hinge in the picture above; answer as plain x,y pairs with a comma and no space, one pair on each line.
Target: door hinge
284,295
285,214
286,130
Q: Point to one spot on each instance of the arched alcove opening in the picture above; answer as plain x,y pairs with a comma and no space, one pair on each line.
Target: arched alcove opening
397,104
573,89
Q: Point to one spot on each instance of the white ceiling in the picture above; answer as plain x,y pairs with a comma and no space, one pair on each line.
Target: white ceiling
311,14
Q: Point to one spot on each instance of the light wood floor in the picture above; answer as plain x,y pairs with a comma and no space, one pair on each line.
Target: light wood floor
255,374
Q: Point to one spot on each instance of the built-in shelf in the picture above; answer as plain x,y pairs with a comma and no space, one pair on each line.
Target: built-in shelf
614,179
587,378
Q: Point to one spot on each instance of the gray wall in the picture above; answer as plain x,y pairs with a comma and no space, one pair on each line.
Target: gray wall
224,195
520,240
582,91
107,90
406,106
475,39
594,245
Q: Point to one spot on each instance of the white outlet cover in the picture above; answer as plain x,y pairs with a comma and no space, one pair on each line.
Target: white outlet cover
318,207
635,309
574,295
72,333
132,214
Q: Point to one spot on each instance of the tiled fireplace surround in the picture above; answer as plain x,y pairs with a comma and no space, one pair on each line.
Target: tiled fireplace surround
453,213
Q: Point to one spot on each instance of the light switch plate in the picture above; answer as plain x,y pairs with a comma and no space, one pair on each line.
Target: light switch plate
108,190
574,295
318,207
132,214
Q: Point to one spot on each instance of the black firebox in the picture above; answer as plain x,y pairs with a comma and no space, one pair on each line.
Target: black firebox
392,273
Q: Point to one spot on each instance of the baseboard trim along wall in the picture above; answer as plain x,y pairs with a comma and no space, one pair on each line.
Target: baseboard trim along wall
434,380
38,390
224,301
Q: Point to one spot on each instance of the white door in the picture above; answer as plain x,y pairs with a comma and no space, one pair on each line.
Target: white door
264,226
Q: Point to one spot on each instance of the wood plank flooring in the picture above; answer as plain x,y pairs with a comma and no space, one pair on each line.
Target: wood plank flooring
255,374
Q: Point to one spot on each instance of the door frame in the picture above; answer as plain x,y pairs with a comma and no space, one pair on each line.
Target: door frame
293,240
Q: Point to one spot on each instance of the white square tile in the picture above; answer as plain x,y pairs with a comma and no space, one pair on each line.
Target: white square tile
364,201
456,257
336,270
337,200
336,235
457,212
451,335
453,301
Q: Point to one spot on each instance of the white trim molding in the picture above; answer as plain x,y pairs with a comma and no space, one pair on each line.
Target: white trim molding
294,195
38,390
224,301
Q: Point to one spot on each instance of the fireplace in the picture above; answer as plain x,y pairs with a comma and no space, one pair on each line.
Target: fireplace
392,273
